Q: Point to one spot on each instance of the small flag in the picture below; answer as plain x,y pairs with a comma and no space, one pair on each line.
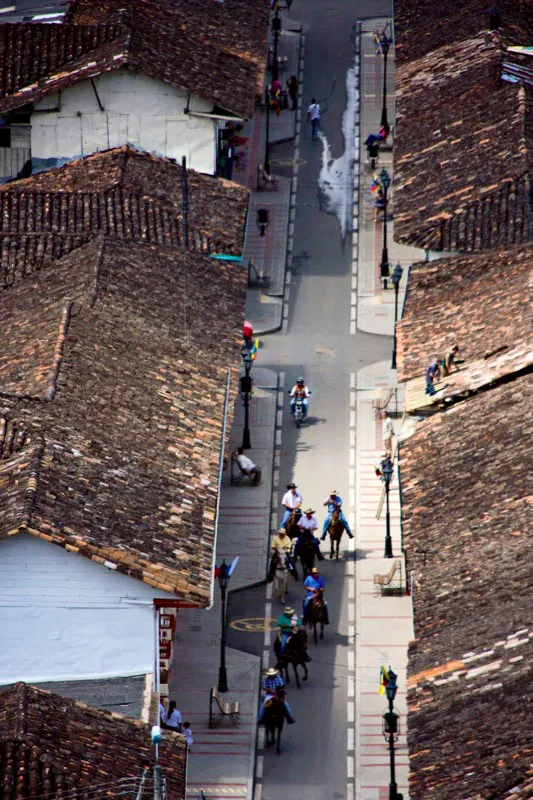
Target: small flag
383,679
375,185
255,348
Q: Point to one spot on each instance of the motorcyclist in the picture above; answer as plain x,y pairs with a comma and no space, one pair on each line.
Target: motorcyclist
300,392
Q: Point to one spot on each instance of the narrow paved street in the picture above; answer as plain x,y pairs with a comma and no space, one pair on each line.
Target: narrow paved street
318,345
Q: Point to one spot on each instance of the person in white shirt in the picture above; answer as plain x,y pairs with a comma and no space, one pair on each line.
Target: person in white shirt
387,431
187,732
313,114
248,466
290,500
172,718
308,521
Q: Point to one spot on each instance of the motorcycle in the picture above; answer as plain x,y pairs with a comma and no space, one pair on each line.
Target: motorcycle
299,412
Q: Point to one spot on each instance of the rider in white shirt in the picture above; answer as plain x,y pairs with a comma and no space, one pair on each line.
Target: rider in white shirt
290,500
300,392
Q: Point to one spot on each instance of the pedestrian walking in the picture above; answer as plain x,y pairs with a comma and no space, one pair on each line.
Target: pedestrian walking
187,732
313,114
292,88
387,431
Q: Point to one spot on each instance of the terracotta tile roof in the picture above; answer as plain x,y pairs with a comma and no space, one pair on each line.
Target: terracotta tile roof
468,730
466,514
128,346
418,30
50,746
480,302
463,150
201,46
127,194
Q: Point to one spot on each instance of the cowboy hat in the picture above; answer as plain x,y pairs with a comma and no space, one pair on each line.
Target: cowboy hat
309,510
315,569
288,610
333,491
271,672
282,530
291,486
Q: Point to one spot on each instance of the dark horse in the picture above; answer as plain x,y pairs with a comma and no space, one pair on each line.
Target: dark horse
291,526
273,719
335,529
307,549
295,653
317,614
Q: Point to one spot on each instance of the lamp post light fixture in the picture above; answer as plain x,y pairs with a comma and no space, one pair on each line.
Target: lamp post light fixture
223,581
385,182
391,731
386,470
396,278
384,44
246,391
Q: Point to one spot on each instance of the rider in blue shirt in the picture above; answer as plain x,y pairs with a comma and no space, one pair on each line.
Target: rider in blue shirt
312,584
332,502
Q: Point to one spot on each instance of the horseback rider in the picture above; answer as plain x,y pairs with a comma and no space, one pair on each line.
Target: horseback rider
308,521
307,526
300,392
272,683
281,542
290,500
334,503
314,585
288,623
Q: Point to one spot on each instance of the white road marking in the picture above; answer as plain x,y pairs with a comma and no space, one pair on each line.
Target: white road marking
275,479
352,457
351,612
351,739
352,327
351,497
269,591
352,313
351,478
351,688
275,496
352,438
259,767
351,590
279,417
352,399
354,282
351,660
353,299
352,380
350,711
352,419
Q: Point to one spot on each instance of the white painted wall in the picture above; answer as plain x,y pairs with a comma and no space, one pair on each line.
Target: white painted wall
137,110
64,617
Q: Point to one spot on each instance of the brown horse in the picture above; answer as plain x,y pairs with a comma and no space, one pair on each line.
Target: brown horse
317,614
274,718
335,529
295,653
291,526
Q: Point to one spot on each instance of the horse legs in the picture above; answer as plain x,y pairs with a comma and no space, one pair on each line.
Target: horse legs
321,630
295,668
337,554
331,544
304,665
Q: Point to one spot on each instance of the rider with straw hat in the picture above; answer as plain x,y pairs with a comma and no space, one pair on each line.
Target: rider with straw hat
271,683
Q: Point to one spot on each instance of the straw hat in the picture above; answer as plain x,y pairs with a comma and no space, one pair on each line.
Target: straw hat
309,510
271,672
288,610
314,570
333,491
282,530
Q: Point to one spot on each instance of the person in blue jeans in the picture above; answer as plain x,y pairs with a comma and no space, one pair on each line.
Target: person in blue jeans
313,114
432,375
333,502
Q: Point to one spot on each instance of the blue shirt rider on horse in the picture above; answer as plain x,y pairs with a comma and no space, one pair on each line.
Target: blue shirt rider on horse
334,503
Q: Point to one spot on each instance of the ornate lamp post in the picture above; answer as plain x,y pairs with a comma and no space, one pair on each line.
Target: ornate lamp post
385,182
396,278
266,164
386,470
223,580
384,44
276,30
391,731
246,391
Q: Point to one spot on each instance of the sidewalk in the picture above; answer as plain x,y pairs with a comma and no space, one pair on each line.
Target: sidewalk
222,759
375,306
384,625
269,253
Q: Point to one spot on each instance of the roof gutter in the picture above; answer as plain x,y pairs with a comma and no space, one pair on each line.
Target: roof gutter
220,468
209,115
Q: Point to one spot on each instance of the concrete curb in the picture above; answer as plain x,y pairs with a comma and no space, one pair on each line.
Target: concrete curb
356,181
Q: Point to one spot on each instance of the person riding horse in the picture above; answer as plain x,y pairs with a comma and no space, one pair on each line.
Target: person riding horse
314,586
307,548
290,500
281,566
272,683
334,503
288,622
281,542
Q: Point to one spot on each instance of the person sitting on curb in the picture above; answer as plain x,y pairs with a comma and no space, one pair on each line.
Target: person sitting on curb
272,684
248,466
333,502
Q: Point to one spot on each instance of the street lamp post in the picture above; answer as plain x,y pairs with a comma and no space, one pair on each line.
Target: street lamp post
396,278
385,182
246,390
276,30
391,731
266,165
387,470
384,44
223,580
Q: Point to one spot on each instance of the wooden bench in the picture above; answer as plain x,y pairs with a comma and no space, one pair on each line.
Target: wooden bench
219,709
391,583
